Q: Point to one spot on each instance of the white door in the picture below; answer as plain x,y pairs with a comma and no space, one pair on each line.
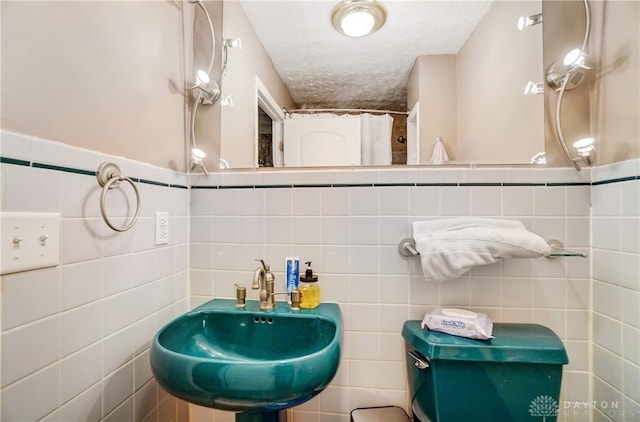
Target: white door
270,106
413,129
323,141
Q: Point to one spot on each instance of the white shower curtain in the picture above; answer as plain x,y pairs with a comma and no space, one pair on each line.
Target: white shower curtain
376,139
375,135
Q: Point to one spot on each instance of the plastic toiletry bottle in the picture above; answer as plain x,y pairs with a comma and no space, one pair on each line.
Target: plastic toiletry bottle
309,289
292,275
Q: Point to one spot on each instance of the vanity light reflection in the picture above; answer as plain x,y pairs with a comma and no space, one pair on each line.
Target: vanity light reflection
586,150
527,21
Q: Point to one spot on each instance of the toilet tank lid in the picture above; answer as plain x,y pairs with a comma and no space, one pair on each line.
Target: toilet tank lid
525,343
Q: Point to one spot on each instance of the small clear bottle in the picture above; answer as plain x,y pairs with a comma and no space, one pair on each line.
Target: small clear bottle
309,289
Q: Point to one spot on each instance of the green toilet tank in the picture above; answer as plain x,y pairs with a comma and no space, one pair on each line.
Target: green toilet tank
515,376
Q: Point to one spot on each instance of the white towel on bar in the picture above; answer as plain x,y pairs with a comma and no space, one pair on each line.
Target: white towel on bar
451,247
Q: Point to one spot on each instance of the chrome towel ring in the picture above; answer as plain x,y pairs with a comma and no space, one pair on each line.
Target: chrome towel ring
109,176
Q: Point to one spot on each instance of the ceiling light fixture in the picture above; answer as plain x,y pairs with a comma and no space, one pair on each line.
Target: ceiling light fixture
357,18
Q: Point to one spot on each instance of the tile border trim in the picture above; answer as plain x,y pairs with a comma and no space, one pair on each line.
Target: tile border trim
417,184
64,169
73,170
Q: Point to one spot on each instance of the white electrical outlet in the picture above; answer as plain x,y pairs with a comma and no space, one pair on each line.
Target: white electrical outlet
162,228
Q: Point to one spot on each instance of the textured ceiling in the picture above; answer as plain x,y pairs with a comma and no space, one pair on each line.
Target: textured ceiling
323,68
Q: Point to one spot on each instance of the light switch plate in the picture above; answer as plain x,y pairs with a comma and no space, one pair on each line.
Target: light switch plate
28,241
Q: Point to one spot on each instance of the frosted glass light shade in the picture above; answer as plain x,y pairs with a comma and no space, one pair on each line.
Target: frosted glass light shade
357,24
357,18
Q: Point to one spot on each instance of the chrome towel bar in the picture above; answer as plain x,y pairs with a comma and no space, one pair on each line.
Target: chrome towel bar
407,247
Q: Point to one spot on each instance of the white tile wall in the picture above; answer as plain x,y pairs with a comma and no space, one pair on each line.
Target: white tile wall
351,235
75,337
616,289
90,320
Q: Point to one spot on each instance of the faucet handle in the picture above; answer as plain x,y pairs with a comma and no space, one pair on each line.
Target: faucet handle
241,296
295,300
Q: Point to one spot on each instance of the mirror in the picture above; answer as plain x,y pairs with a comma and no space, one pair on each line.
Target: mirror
467,78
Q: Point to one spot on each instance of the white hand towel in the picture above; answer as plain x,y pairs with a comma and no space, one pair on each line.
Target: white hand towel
451,247
439,155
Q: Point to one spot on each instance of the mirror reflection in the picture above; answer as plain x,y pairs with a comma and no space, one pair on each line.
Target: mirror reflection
438,81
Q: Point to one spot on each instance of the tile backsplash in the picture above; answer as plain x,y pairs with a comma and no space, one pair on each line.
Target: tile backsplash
75,337
349,223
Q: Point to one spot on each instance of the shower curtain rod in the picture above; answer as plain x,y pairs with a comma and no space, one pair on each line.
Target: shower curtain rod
346,110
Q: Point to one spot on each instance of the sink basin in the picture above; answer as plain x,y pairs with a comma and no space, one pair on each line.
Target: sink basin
246,359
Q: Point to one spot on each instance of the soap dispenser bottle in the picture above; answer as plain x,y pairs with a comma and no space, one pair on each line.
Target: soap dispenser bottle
309,289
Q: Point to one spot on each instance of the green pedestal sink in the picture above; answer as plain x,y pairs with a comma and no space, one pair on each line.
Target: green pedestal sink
246,360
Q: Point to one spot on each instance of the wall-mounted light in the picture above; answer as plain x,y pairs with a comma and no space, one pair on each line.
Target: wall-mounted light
539,158
228,43
533,88
586,150
201,80
226,101
205,89
197,157
565,75
576,58
233,42
527,21
573,66
357,18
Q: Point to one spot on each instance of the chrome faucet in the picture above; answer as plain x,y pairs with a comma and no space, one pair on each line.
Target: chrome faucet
263,281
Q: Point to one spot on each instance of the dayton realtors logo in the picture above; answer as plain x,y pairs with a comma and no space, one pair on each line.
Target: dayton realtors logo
543,406
584,410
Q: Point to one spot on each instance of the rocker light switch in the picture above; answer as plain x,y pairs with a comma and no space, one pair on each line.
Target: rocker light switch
28,241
